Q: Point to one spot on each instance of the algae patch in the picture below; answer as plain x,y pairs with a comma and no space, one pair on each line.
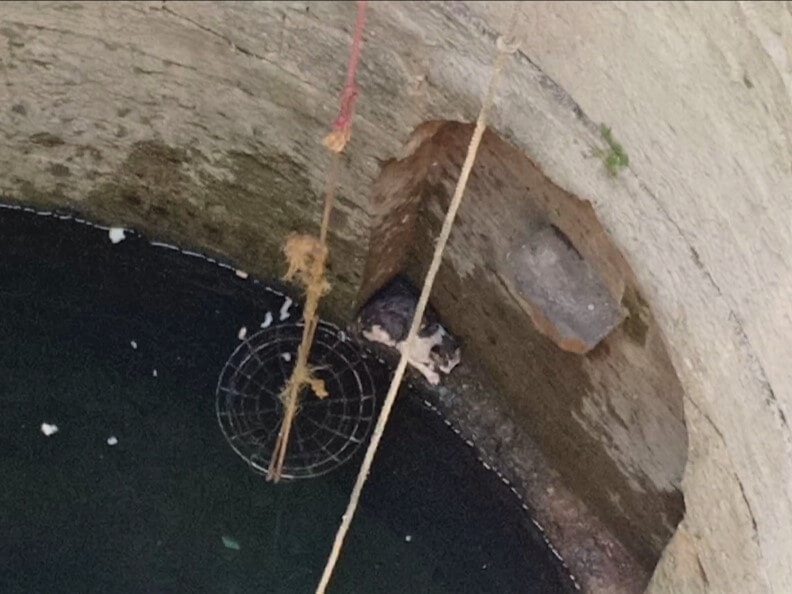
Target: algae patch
614,158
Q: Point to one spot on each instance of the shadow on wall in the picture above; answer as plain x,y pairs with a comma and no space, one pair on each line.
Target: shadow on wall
548,308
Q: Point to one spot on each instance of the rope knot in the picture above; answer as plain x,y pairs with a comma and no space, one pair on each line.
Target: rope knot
337,139
306,256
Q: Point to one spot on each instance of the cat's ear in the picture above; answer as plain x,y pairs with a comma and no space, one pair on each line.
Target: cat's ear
430,329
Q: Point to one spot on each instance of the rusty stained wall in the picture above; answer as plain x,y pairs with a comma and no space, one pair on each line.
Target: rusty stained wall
611,420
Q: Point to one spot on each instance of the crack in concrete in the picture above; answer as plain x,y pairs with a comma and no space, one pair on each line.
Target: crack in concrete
459,10
105,43
738,324
749,508
359,117
165,61
702,571
234,47
707,418
771,396
231,43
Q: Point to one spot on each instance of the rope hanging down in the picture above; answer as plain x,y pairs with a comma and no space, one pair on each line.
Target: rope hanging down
504,49
307,256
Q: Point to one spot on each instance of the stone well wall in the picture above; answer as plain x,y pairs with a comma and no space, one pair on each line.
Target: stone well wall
200,123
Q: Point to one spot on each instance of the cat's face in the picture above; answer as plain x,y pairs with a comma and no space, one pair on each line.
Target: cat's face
446,353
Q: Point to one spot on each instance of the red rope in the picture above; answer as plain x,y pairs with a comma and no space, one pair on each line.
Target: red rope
350,90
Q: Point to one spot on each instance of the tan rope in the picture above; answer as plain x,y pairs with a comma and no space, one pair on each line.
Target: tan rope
307,257
504,49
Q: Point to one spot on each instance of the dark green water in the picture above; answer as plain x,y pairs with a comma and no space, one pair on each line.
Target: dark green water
148,514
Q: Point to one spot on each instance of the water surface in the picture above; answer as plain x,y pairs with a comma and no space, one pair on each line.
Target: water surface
149,514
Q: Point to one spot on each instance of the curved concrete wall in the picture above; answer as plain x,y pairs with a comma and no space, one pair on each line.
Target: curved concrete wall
194,121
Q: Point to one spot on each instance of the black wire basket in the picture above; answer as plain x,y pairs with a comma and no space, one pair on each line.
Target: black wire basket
325,432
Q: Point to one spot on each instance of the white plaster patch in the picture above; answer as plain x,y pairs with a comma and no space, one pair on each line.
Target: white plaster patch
112,440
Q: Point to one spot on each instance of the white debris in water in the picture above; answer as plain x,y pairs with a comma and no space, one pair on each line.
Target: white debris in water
117,234
153,373
133,344
48,429
242,333
112,440
590,307
408,538
284,310
241,273
267,320
286,356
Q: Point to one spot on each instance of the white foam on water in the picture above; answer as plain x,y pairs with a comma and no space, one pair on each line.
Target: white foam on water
49,429
284,310
117,234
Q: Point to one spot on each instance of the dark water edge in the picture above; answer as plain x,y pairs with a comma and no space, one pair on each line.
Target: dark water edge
149,514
